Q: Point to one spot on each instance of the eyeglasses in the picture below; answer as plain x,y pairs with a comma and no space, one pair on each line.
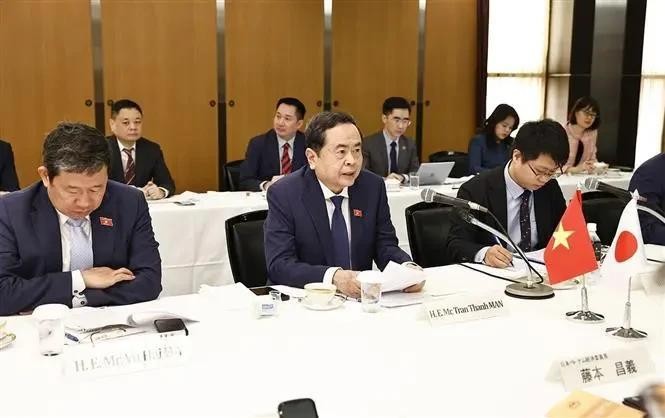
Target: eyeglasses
590,113
400,121
546,176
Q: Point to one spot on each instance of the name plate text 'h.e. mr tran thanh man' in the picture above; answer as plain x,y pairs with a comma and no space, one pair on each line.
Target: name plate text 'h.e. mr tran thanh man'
461,308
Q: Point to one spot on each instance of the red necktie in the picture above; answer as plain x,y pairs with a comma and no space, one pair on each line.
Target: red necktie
286,160
130,168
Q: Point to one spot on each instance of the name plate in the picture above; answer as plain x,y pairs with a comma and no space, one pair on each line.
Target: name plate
605,367
460,308
130,355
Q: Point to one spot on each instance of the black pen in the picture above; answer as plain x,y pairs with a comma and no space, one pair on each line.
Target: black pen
499,242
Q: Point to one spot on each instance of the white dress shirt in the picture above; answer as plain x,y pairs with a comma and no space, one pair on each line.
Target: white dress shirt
125,158
330,207
280,150
390,140
78,285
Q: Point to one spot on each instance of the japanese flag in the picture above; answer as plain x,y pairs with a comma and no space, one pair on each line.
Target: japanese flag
626,256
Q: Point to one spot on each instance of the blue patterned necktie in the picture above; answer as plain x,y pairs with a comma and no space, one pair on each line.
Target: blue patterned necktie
525,222
340,236
80,246
393,157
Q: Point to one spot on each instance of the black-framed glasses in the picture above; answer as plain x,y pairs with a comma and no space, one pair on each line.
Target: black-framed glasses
546,176
590,113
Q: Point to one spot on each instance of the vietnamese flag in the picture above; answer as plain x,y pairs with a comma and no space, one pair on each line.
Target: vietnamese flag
570,253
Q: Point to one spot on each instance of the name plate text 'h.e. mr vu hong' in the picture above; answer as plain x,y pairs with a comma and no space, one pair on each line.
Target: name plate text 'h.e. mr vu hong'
126,355
461,308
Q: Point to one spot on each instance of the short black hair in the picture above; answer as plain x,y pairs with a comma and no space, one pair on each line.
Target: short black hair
543,137
315,134
500,113
292,101
583,103
124,104
392,103
75,148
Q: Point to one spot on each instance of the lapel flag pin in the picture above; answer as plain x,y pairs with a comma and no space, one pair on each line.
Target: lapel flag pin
357,213
105,221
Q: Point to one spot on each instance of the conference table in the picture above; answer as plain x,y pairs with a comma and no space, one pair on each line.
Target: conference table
192,239
352,364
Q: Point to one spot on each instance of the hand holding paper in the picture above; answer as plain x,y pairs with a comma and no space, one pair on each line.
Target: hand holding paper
402,277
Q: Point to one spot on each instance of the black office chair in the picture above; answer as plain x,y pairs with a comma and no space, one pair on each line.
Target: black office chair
461,160
232,175
605,212
427,226
244,242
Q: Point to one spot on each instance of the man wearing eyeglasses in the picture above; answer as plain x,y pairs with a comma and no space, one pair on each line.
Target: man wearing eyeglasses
523,195
389,153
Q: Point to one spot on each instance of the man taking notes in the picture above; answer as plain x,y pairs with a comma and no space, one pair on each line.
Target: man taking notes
523,195
135,160
279,151
389,153
330,219
74,237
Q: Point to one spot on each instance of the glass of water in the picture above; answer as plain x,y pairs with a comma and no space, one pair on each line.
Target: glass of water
414,181
51,328
370,290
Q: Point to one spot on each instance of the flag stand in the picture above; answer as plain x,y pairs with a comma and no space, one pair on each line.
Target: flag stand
584,315
626,331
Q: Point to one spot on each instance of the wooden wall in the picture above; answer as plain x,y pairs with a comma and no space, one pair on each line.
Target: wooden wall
163,54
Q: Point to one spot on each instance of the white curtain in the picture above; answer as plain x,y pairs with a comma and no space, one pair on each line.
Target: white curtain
652,92
517,55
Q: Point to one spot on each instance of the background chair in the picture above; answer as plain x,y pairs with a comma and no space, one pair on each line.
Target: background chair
605,211
427,226
461,160
244,242
232,175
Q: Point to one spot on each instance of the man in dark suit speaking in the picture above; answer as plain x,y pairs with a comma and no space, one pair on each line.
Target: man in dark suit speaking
523,195
74,237
135,160
330,219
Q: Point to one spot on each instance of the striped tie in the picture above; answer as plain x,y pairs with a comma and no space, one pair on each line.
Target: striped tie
286,160
130,169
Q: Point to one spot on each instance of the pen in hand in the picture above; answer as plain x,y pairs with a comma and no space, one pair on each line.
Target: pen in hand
499,242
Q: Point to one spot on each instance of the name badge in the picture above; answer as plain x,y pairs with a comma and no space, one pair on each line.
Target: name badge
605,367
461,308
130,355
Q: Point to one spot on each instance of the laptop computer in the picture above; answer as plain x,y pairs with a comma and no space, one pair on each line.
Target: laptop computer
434,173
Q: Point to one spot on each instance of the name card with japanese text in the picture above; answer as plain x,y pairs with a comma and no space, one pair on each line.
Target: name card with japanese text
605,367
128,355
461,308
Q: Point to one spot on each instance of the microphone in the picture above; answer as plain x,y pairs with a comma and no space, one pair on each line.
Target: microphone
429,195
592,184
527,290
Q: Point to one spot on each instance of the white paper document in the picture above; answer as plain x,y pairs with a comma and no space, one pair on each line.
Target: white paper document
188,198
230,297
399,277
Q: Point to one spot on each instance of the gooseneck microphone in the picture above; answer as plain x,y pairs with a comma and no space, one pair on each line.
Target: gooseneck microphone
429,195
593,184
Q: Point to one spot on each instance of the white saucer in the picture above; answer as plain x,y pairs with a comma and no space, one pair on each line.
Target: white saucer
6,340
334,303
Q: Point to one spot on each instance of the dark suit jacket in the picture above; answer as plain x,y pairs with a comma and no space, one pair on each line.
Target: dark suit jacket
8,177
149,165
375,155
263,159
489,189
31,251
649,181
297,231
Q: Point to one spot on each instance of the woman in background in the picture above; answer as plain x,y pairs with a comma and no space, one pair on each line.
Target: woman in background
490,148
582,130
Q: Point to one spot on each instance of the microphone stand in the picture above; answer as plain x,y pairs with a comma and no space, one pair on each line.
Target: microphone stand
627,331
528,289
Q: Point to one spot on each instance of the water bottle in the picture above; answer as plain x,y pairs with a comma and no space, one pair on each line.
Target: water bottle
595,240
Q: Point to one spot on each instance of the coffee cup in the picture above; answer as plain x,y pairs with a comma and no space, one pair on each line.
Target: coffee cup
319,294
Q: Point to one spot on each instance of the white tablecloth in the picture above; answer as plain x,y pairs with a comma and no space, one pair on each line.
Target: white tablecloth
193,241
353,364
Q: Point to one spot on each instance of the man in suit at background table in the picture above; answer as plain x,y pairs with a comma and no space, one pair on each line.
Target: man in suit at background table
278,152
389,153
135,160
649,182
523,195
76,238
330,219
8,177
